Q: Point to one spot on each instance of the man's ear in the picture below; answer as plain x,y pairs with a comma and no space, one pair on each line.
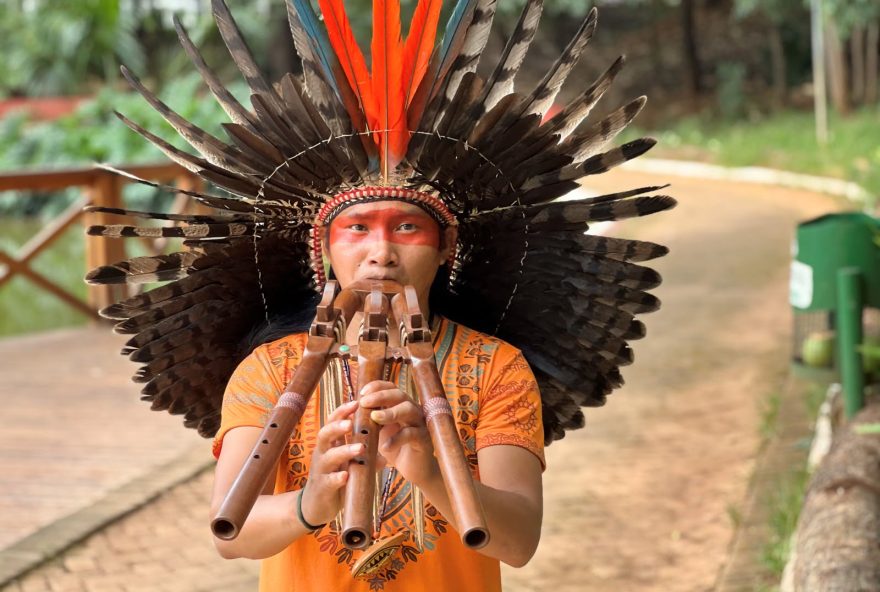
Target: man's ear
448,241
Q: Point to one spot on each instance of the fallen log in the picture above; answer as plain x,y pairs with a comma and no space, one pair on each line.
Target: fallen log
838,533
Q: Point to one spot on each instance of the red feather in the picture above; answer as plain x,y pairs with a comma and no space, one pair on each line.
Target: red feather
387,54
420,45
350,56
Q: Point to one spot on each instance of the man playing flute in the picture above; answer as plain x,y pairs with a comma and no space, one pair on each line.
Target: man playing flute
495,401
420,172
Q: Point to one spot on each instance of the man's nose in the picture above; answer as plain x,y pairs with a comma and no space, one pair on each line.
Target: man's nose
382,252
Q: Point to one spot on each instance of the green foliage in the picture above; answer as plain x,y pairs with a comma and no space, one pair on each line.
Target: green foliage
59,47
94,134
848,14
785,140
777,11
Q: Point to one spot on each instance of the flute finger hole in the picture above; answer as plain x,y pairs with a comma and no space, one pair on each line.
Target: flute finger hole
365,431
265,441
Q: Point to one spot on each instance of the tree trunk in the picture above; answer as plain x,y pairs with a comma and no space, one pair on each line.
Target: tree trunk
871,62
839,525
777,57
657,38
857,52
837,78
691,57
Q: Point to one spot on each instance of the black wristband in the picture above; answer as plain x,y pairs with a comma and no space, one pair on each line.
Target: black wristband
299,513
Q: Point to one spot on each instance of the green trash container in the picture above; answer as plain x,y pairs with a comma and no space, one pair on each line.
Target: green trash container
835,296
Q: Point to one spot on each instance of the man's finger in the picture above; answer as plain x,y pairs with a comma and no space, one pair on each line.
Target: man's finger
377,385
337,458
383,398
406,414
332,433
343,411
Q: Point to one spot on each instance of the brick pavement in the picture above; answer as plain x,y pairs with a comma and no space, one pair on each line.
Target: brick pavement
73,427
163,547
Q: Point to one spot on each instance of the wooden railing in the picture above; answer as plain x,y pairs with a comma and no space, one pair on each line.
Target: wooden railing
100,188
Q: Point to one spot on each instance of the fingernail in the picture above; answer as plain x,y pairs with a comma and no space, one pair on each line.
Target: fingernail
345,424
377,416
355,447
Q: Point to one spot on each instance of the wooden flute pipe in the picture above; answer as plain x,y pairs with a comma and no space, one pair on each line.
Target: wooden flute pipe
360,490
470,520
273,441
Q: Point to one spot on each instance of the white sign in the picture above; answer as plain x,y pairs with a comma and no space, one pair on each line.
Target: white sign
800,287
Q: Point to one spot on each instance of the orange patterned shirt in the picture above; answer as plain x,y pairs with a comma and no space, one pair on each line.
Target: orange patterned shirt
495,400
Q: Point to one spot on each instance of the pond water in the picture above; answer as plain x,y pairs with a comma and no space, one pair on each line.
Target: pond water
24,306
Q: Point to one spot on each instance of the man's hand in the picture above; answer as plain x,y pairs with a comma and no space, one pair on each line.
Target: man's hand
404,442
328,474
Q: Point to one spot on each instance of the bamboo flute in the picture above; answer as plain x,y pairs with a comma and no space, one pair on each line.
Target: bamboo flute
273,441
469,518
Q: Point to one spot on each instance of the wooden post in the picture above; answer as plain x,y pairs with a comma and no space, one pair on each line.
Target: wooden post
104,190
191,182
820,86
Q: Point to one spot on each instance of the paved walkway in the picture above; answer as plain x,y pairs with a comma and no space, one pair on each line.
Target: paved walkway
72,427
640,500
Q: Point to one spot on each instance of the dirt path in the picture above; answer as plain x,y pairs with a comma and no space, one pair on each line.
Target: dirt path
639,499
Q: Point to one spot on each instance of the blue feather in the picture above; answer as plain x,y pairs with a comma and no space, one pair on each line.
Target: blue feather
455,21
316,32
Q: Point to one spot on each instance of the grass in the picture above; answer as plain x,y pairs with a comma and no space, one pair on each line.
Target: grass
25,308
787,497
785,507
785,140
769,415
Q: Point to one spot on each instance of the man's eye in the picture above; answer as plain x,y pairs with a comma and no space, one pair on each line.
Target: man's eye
358,227
407,227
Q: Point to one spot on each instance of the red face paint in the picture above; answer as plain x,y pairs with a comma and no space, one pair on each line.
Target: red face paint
411,226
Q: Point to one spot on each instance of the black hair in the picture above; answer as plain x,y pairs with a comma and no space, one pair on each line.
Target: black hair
282,324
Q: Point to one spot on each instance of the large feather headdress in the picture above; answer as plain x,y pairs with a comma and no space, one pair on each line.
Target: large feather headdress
418,122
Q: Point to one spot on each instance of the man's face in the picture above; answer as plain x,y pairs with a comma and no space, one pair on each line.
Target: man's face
388,240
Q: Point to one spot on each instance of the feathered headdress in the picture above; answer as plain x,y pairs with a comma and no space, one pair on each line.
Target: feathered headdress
418,125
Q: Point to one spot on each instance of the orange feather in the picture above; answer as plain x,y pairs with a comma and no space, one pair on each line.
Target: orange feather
350,56
420,45
387,55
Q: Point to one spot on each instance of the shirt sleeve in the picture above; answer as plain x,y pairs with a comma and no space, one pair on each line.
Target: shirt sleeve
510,405
250,395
